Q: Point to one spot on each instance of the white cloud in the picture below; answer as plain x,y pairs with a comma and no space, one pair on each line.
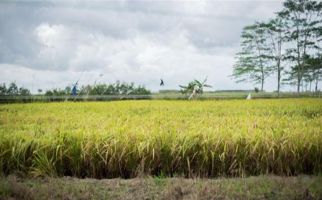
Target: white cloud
129,41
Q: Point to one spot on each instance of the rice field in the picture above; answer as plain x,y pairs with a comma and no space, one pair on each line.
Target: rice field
162,138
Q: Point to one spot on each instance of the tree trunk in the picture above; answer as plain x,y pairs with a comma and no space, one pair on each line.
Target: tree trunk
262,78
278,77
316,85
302,84
279,63
298,85
278,82
298,61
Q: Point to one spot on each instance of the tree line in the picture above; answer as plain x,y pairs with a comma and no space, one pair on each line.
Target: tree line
289,46
13,89
117,88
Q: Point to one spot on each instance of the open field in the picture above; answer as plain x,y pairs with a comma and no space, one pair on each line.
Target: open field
162,138
260,187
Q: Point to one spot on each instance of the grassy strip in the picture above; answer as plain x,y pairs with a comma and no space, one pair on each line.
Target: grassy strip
262,187
157,96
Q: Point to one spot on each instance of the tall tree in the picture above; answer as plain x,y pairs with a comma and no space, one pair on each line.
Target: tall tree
303,17
314,70
276,34
316,64
252,61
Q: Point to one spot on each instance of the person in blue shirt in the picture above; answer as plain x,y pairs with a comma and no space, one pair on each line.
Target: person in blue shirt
74,90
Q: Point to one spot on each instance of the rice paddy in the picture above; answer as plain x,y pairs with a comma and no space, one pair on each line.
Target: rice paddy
162,138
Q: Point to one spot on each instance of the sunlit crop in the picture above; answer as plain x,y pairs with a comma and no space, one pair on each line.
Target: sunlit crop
134,138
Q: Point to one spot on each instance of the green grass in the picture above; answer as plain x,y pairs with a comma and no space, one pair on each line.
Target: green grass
168,138
260,187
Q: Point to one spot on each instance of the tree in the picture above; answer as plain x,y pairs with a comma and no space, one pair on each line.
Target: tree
276,33
140,90
314,68
13,89
3,89
68,90
194,87
24,91
49,93
57,92
316,63
252,61
117,88
303,17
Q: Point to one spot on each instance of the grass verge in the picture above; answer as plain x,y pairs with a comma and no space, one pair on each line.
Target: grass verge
260,187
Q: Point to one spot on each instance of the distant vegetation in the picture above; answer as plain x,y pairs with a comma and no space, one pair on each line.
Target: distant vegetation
288,46
13,90
117,88
169,91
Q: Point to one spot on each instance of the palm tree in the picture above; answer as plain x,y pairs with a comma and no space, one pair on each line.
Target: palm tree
194,87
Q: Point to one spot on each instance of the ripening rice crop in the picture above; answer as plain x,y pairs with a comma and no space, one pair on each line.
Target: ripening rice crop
173,138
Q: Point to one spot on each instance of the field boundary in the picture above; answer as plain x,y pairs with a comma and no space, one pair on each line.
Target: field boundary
155,96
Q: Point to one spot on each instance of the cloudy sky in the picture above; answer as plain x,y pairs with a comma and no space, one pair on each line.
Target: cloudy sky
53,44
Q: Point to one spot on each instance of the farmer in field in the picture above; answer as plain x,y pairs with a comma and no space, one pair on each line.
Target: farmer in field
74,90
